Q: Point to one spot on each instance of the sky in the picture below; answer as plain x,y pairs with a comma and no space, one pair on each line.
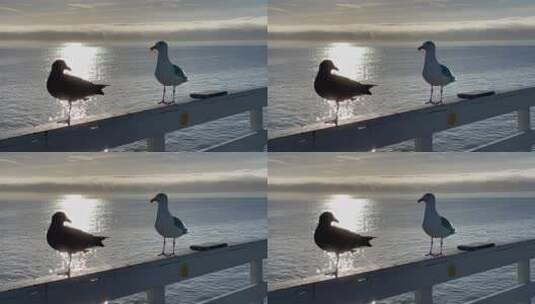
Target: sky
391,173
343,20
133,173
133,19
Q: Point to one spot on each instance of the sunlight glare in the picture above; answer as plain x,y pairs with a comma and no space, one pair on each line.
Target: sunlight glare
81,210
81,59
84,63
352,61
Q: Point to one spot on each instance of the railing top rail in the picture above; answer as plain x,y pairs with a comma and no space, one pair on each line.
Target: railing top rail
391,281
111,282
99,133
398,127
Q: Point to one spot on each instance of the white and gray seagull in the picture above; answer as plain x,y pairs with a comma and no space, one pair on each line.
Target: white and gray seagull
434,73
435,225
166,224
166,72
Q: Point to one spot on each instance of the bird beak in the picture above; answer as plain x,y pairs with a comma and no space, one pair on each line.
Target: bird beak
153,48
68,220
153,200
336,220
421,48
335,68
421,200
67,68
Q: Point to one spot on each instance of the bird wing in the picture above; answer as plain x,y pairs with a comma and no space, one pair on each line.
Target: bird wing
347,88
446,72
179,73
178,223
78,87
77,240
446,224
344,239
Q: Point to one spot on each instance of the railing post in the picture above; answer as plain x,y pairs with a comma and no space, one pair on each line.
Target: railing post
424,143
156,295
156,143
256,274
524,277
424,295
256,118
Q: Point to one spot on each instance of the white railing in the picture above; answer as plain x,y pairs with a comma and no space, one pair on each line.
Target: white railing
150,124
150,277
418,125
418,277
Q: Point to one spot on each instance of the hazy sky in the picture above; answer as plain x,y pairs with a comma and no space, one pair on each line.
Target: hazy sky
134,19
402,19
133,172
401,172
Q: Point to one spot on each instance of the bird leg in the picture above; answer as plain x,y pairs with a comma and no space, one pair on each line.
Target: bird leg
174,240
337,262
163,248
335,272
441,93
441,242
163,96
430,248
431,97
172,102
69,114
337,110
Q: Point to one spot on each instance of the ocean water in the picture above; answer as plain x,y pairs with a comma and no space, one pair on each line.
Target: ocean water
129,221
129,69
396,69
396,222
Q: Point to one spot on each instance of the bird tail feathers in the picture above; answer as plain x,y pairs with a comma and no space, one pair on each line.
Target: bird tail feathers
99,87
367,88
366,240
97,240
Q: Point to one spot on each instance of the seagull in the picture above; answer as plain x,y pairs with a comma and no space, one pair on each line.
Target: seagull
337,240
68,239
434,73
67,87
166,72
167,225
435,225
337,88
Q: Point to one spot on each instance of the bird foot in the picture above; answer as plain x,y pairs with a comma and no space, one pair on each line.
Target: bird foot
162,102
332,274
66,273
162,254
334,122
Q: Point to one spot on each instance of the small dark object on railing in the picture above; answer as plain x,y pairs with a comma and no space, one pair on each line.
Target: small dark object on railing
208,94
475,94
208,246
475,246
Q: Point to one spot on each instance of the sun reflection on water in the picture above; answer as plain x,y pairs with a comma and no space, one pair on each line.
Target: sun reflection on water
82,59
353,61
85,213
84,63
355,214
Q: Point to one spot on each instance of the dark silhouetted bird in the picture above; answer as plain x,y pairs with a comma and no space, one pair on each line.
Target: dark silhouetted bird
68,239
70,88
336,239
336,87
